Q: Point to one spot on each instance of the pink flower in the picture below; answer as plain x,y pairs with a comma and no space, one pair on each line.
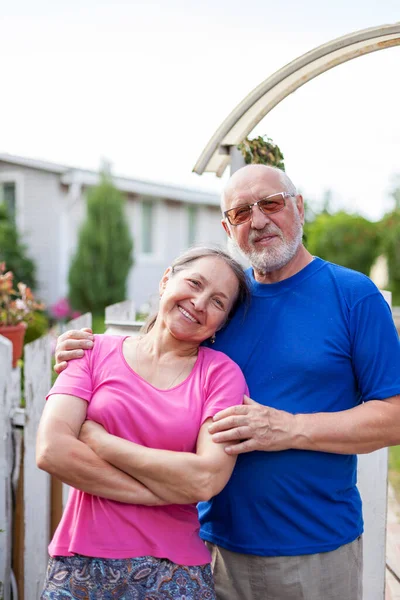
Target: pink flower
61,309
20,305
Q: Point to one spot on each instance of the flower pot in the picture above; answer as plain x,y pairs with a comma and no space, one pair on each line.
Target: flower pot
16,334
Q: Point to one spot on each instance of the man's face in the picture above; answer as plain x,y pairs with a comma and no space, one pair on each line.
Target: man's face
268,241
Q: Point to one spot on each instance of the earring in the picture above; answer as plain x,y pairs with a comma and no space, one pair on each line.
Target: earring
212,339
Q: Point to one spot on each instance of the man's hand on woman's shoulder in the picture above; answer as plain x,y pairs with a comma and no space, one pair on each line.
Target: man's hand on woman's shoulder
71,344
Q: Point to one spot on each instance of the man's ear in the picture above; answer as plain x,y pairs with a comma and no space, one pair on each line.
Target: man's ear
226,227
164,280
300,207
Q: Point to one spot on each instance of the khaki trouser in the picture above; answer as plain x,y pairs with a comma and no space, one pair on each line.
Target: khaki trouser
335,575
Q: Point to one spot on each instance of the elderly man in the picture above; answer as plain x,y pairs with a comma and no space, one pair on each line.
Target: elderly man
321,356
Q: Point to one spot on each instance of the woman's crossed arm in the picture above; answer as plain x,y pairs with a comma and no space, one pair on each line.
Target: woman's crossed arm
177,477
62,454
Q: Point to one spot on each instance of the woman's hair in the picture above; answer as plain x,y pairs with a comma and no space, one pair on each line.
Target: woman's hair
243,295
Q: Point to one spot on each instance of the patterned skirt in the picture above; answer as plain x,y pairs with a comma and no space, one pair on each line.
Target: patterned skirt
145,578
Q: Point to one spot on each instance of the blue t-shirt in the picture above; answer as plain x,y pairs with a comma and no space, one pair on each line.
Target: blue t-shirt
320,341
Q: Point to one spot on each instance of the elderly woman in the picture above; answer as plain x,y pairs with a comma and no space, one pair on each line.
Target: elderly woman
126,426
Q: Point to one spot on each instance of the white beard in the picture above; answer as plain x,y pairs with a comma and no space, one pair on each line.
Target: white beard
272,259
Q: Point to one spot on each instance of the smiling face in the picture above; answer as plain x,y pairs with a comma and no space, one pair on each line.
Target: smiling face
196,299
270,242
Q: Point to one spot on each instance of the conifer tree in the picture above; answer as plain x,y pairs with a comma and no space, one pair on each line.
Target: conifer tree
13,252
100,267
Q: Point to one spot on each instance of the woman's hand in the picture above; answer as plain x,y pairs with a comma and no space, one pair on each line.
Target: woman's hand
92,434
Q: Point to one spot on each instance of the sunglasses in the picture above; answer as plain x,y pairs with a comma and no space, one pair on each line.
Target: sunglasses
268,206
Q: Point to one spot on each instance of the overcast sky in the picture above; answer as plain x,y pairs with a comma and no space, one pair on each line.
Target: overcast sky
145,84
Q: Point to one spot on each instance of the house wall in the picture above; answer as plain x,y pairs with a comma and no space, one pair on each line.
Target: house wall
39,199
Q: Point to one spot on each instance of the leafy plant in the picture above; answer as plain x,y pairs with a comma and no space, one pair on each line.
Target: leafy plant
262,150
38,325
16,306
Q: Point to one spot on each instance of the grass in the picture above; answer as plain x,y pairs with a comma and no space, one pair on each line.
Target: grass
394,469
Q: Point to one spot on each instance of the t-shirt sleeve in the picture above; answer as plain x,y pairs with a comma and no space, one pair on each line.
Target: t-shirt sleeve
225,386
376,348
76,379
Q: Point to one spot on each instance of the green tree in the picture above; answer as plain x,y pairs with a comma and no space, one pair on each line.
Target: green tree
348,240
312,210
390,242
390,236
395,193
100,267
13,252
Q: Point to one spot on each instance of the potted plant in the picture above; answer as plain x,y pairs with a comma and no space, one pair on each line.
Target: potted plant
17,308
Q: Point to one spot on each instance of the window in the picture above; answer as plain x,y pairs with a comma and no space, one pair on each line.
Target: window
192,224
147,227
8,196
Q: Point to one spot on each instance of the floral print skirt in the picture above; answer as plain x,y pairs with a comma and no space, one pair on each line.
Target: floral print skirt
144,578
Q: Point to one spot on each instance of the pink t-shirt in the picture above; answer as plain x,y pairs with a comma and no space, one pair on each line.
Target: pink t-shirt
129,407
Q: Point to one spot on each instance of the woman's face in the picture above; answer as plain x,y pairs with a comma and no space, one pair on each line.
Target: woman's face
197,298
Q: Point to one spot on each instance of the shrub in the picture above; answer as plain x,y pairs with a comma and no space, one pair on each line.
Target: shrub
38,326
348,240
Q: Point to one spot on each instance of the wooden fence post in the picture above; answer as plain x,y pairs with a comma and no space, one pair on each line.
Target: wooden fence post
121,319
372,479
36,482
372,483
5,468
80,322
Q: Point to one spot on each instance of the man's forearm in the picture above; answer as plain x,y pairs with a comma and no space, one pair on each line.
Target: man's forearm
76,464
365,428
252,426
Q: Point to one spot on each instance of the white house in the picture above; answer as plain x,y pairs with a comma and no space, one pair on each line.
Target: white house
48,204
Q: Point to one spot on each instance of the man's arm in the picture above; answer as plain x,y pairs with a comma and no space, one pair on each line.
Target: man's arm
177,477
365,428
60,453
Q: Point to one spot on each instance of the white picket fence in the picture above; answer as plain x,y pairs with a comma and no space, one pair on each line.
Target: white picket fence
17,435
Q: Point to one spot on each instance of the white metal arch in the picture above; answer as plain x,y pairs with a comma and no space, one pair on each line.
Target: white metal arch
242,120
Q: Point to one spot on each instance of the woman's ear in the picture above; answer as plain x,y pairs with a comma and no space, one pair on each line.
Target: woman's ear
164,281
222,325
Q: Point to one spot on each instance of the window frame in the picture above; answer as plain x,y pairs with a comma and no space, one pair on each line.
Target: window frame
192,220
17,179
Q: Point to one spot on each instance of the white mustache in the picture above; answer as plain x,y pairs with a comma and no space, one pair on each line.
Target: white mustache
258,235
